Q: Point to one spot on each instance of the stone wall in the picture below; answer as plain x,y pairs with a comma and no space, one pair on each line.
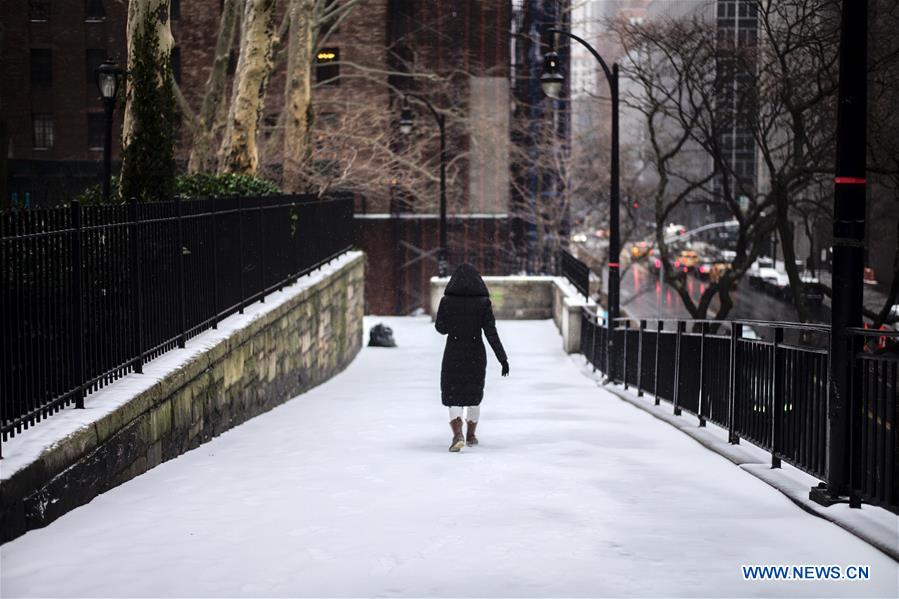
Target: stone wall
531,298
297,345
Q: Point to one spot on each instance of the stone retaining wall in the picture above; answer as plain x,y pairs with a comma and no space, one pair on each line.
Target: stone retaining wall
297,345
531,298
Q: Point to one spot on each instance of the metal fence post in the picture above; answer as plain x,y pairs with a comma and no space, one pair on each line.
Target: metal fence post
854,409
681,327
137,325
78,303
182,317
593,348
262,249
736,331
777,403
240,254
655,387
215,283
640,359
627,326
704,328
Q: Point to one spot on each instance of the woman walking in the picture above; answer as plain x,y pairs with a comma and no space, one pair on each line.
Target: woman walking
464,311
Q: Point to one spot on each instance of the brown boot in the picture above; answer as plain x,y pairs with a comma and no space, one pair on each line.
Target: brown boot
470,437
458,440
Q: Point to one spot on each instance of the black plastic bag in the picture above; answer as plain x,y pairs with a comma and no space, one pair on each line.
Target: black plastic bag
381,336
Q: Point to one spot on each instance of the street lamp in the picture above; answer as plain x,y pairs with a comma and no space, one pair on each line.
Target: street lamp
109,79
551,82
551,79
406,122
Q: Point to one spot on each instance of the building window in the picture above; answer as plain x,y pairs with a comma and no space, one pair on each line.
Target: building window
39,11
175,10
327,69
175,60
96,130
94,10
41,67
93,58
43,131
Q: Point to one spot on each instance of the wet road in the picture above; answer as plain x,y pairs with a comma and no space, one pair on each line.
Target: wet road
641,297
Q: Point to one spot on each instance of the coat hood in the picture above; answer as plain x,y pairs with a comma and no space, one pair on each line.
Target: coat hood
467,282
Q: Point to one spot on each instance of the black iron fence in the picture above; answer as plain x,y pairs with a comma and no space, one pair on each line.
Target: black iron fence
90,293
576,272
772,392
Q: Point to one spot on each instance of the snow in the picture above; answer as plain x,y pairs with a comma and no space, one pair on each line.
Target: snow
348,490
876,525
27,446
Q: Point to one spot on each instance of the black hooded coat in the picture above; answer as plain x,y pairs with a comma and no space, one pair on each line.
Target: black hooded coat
465,311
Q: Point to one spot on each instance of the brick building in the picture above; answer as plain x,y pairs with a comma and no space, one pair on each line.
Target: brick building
51,117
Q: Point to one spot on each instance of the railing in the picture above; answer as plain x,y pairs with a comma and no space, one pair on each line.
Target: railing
771,392
90,293
876,372
577,272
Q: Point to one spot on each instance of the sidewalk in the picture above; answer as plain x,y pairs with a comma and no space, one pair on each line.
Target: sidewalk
348,490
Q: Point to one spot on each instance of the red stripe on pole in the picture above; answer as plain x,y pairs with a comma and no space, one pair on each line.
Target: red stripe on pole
613,265
849,180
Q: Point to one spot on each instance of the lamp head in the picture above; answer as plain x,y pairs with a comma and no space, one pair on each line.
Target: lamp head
109,77
406,120
551,79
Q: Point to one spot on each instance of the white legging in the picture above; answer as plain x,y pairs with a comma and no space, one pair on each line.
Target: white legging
473,413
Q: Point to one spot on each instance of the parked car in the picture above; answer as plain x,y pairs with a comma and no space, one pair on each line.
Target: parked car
749,333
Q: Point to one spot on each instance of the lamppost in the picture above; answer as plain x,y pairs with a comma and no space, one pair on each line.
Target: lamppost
551,81
109,78
406,122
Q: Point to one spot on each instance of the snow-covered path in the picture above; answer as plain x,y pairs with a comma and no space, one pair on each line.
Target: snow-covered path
348,490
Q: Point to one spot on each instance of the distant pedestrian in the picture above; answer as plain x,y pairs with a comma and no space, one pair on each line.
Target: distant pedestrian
465,311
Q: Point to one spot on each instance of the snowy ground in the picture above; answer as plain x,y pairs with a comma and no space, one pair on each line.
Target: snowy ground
348,490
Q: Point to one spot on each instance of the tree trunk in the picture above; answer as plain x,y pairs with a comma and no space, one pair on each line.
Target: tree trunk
137,15
797,288
202,156
726,302
239,152
298,93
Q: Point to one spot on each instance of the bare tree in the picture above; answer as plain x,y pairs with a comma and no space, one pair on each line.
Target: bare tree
239,152
793,115
883,127
141,14
679,79
210,119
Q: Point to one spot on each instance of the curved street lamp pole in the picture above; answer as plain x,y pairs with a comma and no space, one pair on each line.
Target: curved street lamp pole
406,128
551,62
